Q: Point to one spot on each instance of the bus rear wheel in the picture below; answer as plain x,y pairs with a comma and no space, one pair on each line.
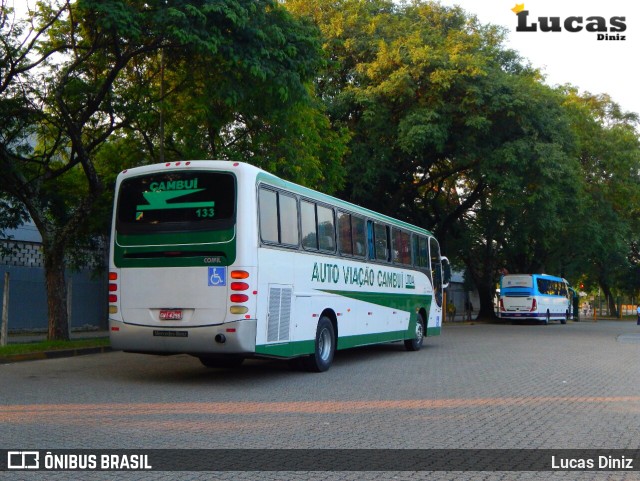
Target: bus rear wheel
325,347
416,343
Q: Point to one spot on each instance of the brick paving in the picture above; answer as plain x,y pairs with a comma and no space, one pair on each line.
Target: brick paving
476,387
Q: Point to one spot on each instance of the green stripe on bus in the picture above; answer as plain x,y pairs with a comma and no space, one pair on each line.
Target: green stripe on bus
300,348
433,331
185,249
410,303
175,238
288,349
367,339
404,302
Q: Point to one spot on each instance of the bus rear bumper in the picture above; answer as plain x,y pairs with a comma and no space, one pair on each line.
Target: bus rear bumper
532,315
236,337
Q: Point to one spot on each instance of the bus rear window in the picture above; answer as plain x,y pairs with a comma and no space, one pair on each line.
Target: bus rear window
517,281
176,201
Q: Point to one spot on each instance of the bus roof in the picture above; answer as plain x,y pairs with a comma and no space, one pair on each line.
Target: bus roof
537,276
264,176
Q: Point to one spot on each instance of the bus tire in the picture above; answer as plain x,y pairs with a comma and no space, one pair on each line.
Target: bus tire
416,343
325,347
221,362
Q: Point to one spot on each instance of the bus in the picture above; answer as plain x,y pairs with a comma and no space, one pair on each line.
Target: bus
535,296
224,261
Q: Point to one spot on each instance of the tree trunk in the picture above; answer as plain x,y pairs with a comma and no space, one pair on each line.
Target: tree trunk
486,293
482,269
611,302
54,267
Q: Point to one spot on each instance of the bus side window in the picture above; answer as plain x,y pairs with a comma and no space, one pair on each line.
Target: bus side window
326,229
345,245
421,247
544,286
308,222
278,217
415,248
401,247
351,235
288,219
268,215
370,240
358,234
381,233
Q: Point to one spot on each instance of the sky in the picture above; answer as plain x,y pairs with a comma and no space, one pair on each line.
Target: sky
577,58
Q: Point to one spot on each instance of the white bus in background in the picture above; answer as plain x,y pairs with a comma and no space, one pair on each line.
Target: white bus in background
224,261
535,296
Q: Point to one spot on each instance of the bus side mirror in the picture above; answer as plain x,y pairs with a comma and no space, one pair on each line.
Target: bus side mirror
446,272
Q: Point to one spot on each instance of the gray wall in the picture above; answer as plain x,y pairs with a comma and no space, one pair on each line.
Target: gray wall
27,293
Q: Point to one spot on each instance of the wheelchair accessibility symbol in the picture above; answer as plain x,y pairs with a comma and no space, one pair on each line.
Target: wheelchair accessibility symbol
217,276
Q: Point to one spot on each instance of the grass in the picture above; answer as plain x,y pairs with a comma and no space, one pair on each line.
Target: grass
42,346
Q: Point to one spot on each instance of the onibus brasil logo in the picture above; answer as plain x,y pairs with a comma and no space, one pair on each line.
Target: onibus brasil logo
605,29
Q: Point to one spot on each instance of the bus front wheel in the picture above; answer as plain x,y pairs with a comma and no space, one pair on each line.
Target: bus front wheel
325,347
416,343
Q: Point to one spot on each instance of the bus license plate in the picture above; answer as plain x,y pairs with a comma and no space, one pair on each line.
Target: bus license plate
171,315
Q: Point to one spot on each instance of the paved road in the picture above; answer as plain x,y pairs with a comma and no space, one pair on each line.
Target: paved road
476,386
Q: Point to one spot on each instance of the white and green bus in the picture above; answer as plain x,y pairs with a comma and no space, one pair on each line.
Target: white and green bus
224,261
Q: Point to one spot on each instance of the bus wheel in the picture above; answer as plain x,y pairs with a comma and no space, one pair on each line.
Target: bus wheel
221,362
325,347
416,343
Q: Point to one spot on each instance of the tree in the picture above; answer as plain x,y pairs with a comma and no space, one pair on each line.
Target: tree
608,150
450,130
66,88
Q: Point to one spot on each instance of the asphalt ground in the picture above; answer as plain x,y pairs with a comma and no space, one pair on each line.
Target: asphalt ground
481,386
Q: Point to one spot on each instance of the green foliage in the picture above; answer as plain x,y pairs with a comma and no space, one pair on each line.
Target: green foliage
12,215
608,150
81,97
246,98
413,109
452,130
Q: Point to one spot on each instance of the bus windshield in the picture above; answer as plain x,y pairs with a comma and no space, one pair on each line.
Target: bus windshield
176,201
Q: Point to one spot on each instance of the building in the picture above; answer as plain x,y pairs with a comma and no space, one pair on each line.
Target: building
458,299
27,292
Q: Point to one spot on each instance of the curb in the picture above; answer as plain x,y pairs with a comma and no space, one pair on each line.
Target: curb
38,356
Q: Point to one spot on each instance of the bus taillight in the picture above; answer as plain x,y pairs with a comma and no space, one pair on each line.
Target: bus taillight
239,298
113,293
502,305
239,286
238,309
239,274
534,306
